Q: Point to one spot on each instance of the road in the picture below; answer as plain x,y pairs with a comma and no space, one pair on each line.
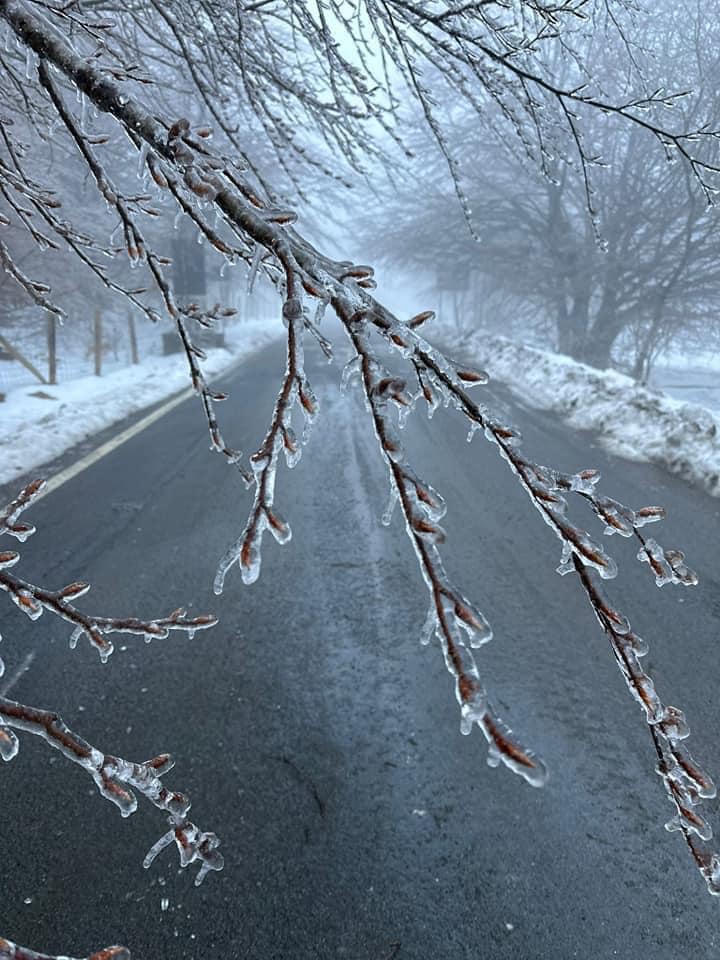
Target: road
321,741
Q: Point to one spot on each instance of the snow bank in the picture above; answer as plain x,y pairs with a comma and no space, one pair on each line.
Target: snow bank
638,423
38,423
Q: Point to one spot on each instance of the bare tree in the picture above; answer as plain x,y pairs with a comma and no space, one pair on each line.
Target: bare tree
643,272
481,50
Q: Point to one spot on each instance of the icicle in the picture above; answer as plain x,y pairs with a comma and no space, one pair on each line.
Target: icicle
9,743
279,527
320,311
255,266
227,262
350,371
430,627
310,405
474,427
389,509
291,446
566,562
158,847
142,160
404,411
432,398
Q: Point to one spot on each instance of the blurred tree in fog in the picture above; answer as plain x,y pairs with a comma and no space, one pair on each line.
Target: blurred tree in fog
613,272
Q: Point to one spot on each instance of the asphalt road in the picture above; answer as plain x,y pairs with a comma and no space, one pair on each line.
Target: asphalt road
317,736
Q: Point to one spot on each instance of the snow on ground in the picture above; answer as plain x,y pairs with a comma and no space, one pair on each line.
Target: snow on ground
695,378
638,423
38,422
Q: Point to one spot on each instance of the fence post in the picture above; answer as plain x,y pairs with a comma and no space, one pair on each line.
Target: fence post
133,339
98,343
6,345
52,348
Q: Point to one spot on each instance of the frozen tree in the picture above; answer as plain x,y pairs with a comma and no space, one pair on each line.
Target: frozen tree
318,86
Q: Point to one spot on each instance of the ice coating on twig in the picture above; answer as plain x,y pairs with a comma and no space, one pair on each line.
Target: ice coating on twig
256,227
13,951
120,780
686,783
457,624
34,600
117,780
295,390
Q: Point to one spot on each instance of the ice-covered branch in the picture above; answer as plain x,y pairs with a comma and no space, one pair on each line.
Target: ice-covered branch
295,389
139,251
686,784
117,780
454,620
12,951
36,289
188,169
33,600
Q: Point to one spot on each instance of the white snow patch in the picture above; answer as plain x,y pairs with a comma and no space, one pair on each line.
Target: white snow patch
34,430
692,382
635,422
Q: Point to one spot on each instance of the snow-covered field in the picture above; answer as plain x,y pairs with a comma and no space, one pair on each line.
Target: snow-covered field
638,423
38,423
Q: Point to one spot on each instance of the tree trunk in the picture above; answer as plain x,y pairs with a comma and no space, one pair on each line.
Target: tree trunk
608,323
573,324
598,348
133,339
